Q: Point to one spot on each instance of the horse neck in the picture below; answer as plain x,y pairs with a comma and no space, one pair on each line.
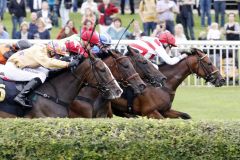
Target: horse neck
112,65
175,74
66,85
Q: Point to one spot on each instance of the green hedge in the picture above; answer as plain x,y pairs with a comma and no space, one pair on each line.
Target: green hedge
118,138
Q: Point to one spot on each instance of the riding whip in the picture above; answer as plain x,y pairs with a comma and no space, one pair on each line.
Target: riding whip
94,27
95,24
124,32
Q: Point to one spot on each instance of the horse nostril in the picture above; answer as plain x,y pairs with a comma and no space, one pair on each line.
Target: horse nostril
142,87
222,81
119,92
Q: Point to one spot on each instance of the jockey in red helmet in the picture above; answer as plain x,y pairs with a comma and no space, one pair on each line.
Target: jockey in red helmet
149,47
83,44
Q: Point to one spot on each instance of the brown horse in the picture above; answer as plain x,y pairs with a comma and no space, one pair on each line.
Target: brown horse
88,105
157,102
53,97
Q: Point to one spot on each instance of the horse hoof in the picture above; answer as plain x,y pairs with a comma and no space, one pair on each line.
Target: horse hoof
185,116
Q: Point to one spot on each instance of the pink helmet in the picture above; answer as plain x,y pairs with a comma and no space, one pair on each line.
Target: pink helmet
167,37
87,34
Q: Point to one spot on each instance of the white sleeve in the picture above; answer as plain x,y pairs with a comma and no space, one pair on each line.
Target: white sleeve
160,51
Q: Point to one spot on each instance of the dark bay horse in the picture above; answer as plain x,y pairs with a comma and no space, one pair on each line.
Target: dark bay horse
157,102
93,104
88,105
53,97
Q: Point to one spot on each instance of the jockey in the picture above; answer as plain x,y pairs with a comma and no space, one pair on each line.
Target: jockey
149,47
102,49
7,50
74,45
32,64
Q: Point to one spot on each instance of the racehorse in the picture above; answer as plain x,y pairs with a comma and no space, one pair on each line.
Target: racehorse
87,105
157,102
53,97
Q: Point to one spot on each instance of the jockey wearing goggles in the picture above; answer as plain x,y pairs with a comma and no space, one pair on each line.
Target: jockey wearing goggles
34,63
149,47
102,49
74,45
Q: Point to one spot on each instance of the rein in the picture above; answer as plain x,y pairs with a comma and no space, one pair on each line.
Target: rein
99,86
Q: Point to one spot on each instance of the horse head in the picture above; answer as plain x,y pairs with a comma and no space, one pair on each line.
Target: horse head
146,69
199,63
98,75
124,71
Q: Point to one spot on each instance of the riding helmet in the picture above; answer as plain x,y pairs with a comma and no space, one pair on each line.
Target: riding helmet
167,37
87,35
105,39
57,47
23,44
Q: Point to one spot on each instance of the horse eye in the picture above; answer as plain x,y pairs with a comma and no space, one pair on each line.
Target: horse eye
102,69
209,63
125,66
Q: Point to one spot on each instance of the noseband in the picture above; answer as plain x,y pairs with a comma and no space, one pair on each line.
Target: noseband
209,75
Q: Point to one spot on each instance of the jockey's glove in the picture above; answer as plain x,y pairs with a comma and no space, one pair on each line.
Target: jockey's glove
182,56
73,63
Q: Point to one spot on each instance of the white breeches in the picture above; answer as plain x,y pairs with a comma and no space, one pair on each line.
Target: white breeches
26,74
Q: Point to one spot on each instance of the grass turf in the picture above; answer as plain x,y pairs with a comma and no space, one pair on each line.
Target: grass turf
209,103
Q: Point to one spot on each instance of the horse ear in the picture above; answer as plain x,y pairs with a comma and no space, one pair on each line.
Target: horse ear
113,52
131,50
194,50
186,52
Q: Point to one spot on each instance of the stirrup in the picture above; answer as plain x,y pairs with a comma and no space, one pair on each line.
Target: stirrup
23,102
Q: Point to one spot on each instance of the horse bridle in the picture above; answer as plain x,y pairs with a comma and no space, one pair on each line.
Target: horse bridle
147,78
99,85
124,82
209,75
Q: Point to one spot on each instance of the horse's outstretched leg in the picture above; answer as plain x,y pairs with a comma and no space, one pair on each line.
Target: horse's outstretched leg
155,115
176,114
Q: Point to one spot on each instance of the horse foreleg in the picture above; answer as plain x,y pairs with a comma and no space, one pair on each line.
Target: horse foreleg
109,112
176,114
155,115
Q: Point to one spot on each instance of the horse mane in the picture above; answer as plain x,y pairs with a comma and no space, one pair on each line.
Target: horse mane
103,55
192,51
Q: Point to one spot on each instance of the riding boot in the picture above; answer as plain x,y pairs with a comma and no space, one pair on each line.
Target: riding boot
21,98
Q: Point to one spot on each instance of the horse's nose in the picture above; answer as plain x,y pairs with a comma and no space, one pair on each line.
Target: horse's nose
119,92
142,87
222,82
164,78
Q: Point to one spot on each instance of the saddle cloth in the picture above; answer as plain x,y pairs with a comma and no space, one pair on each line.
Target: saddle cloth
8,91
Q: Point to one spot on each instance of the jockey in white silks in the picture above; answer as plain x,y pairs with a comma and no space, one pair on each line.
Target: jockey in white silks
150,47
33,64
